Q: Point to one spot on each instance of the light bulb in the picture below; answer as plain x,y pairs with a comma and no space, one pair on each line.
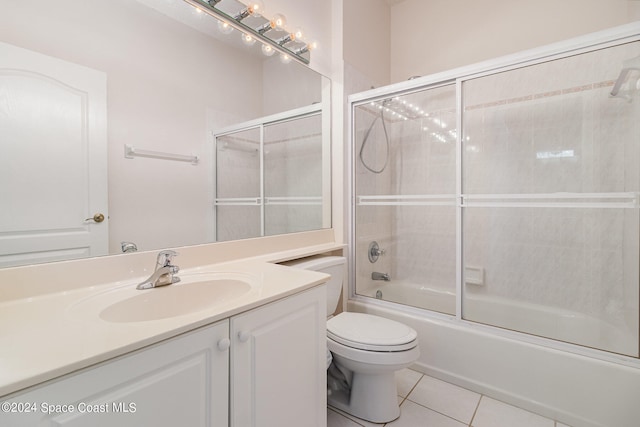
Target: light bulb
278,21
224,27
284,58
256,8
248,39
267,50
299,33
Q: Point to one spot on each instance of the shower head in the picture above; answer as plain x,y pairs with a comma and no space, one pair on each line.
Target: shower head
629,65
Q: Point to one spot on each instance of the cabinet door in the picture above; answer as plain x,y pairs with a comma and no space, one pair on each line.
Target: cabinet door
278,363
181,382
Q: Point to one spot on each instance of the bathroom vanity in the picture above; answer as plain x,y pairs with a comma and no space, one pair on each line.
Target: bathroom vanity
257,359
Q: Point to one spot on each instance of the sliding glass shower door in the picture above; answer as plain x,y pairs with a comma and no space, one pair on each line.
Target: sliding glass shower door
508,196
551,178
405,205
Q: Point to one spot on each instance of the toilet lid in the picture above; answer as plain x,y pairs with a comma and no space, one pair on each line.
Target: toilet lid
368,332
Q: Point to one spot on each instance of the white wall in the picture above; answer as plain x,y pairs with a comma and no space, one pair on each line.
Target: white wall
367,39
437,35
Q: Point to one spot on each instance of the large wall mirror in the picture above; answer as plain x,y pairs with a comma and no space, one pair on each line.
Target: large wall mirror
137,123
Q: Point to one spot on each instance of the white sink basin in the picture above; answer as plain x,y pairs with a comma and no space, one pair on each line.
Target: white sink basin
195,292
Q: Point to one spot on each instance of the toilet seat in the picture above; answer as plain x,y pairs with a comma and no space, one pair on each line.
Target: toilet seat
372,333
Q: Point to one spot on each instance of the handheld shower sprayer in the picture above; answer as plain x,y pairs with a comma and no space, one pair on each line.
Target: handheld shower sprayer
380,117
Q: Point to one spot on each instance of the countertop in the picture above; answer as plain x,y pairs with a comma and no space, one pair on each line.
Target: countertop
44,338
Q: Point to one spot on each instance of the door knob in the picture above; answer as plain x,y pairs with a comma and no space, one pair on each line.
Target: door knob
96,218
244,336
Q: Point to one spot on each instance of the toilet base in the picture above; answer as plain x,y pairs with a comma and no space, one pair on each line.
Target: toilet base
373,397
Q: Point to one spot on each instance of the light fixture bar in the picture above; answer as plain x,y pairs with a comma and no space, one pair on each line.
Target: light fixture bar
207,6
263,28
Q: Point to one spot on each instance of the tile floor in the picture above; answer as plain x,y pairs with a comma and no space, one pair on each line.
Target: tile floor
427,401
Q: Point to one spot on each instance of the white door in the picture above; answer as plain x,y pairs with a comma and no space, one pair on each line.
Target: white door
53,159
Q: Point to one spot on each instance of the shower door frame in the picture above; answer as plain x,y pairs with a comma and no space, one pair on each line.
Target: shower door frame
579,45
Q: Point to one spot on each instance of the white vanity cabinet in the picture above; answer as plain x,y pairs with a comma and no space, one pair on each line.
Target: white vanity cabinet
179,382
264,367
278,363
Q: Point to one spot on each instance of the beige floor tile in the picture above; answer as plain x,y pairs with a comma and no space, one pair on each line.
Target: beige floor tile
406,379
358,421
414,415
492,413
448,399
335,419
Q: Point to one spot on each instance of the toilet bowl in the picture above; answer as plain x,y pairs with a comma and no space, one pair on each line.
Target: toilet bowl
366,351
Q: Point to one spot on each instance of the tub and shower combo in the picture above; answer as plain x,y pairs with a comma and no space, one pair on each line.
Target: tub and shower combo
495,209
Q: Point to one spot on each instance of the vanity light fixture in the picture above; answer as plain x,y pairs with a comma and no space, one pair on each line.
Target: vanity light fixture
249,19
254,8
265,27
286,39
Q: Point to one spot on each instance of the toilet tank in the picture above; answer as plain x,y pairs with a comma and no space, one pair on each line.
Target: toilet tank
333,265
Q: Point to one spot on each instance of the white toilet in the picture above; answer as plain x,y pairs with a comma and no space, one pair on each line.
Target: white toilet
366,351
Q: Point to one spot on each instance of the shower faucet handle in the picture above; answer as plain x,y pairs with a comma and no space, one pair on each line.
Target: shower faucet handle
374,252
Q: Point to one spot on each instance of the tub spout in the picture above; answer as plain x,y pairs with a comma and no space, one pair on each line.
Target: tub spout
380,276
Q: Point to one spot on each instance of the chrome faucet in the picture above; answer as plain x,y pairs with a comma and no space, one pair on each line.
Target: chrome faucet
128,247
380,276
164,272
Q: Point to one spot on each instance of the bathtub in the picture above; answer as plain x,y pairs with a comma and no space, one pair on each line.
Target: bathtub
554,379
535,319
414,294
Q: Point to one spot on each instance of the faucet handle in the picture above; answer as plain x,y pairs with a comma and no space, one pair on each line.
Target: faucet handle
165,258
374,252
